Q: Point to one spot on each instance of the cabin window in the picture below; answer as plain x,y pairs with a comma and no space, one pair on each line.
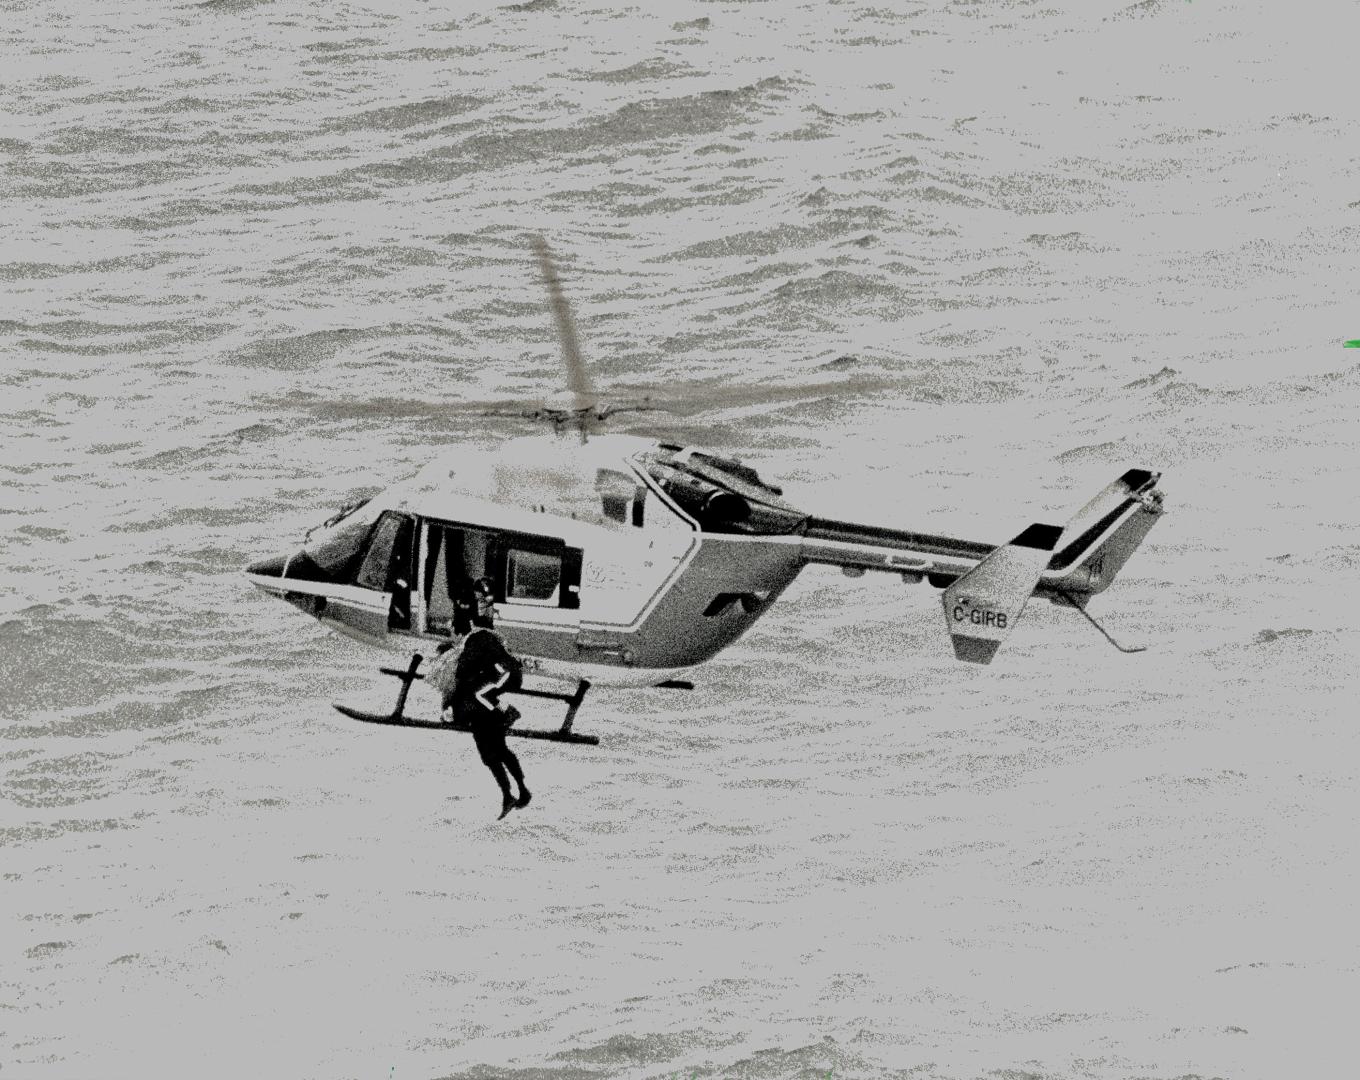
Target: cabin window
536,570
535,576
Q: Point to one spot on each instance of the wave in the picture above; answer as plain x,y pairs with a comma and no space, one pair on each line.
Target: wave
1269,636
231,5
1103,451
1068,241
407,115
1142,10
836,287
642,71
299,352
212,450
514,141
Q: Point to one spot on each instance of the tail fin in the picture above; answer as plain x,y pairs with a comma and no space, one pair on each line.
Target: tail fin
982,607
1102,535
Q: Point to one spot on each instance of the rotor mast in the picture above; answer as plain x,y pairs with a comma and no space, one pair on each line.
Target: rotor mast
578,381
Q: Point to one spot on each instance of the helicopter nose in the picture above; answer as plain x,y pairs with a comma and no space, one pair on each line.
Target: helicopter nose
272,567
274,574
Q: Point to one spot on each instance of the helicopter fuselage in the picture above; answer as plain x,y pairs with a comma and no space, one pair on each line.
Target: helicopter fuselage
621,561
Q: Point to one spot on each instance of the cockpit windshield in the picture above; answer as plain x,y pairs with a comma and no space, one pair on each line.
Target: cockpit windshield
335,544
340,515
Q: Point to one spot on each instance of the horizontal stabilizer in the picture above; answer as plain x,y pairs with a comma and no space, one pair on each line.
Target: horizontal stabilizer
982,607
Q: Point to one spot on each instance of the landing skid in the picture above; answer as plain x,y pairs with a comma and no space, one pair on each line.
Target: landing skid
398,718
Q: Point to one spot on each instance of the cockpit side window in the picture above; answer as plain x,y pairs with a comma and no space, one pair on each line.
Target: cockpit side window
387,561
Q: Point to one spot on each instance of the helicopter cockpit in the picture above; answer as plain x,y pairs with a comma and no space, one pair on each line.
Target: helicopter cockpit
355,546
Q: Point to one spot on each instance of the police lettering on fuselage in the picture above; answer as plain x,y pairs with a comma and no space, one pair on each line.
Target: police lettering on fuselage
979,617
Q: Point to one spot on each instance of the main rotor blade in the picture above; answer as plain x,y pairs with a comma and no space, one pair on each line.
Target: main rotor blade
389,408
682,399
578,381
693,397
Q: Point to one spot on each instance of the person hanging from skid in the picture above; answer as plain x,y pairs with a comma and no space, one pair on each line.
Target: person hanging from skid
482,672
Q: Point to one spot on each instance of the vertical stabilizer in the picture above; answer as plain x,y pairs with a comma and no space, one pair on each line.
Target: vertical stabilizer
982,607
1103,534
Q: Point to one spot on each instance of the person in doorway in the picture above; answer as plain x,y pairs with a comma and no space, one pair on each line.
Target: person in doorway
485,672
464,597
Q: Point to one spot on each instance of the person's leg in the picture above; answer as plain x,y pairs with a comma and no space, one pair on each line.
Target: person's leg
490,750
512,764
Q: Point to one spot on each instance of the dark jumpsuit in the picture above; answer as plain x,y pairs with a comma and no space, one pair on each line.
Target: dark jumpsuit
485,671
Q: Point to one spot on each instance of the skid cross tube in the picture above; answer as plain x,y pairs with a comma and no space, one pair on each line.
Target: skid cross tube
407,677
573,701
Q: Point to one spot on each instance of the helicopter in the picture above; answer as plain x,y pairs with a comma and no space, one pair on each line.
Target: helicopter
620,561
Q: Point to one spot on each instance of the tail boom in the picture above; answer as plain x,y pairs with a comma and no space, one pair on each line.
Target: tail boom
986,586
1092,548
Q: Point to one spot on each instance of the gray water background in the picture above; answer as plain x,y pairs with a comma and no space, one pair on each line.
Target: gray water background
965,263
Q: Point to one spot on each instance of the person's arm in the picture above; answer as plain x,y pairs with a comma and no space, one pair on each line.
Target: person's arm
508,660
489,693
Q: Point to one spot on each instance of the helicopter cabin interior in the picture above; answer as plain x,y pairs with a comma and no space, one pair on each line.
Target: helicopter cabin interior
524,569
428,568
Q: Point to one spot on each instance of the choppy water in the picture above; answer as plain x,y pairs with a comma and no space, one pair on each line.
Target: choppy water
260,256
